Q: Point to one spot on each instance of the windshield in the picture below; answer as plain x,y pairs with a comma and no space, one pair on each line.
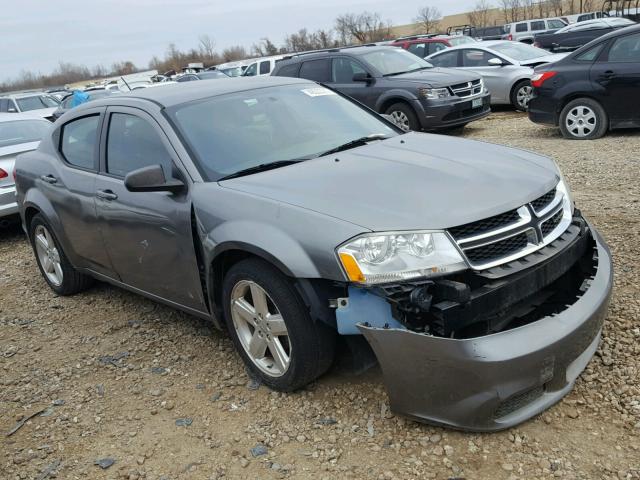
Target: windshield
233,132
519,51
232,71
22,131
36,102
461,40
392,61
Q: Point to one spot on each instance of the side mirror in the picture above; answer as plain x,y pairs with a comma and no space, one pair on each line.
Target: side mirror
495,62
362,77
151,179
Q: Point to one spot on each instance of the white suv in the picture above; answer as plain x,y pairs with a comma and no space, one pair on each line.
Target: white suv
525,31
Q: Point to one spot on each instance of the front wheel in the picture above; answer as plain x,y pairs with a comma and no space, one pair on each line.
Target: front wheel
271,327
583,119
521,94
403,116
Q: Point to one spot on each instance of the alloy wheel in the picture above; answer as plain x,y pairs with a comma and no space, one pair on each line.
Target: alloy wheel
581,121
260,327
48,255
523,96
401,120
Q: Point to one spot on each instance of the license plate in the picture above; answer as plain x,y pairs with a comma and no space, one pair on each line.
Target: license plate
475,103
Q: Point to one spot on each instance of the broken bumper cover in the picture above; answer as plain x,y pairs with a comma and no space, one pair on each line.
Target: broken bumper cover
496,381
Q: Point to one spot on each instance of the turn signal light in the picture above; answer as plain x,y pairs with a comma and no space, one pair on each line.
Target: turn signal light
539,78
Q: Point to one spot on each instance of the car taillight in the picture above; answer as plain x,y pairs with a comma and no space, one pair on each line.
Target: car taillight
539,78
509,37
3,174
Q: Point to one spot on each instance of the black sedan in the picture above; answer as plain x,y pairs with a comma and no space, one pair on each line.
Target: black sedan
594,89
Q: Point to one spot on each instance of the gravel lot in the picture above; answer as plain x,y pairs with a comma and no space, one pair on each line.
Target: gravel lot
164,396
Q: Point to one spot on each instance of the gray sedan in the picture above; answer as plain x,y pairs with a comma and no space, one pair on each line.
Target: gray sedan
290,216
506,67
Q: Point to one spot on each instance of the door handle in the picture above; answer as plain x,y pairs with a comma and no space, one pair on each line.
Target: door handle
48,179
106,195
608,74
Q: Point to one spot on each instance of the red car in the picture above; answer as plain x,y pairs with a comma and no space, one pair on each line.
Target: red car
425,45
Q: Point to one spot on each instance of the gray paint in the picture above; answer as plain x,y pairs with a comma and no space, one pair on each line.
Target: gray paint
461,383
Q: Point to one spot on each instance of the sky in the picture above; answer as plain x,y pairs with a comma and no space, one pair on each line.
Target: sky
35,35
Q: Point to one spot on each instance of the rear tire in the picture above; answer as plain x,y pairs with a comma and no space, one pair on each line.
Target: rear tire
583,119
272,329
520,95
404,116
54,265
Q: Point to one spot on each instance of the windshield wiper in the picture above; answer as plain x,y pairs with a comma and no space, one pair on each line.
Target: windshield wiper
407,71
263,167
354,143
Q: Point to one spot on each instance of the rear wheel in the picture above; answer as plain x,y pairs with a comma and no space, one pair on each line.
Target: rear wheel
272,329
52,262
583,119
520,95
403,116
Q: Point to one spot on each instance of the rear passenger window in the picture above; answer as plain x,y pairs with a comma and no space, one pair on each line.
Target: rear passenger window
521,27
265,67
317,70
418,49
447,59
78,141
591,54
535,26
289,70
625,49
132,143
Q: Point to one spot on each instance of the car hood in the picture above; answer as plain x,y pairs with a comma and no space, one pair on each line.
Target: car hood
437,77
544,59
412,181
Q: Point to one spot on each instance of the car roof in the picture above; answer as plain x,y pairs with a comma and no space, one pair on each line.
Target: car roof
175,94
13,117
23,94
615,33
356,51
484,45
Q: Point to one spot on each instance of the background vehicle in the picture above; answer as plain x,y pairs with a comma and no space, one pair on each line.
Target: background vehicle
576,35
252,202
583,17
210,75
526,31
592,90
233,69
505,66
67,102
423,46
261,67
392,81
35,102
19,133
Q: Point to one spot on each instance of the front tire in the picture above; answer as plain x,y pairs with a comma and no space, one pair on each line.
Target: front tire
52,261
271,327
404,116
583,119
521,94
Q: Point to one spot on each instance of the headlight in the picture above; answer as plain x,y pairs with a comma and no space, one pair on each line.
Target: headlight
391,257
434,93
567,200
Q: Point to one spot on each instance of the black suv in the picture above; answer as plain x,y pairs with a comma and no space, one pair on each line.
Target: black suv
592,90
395,82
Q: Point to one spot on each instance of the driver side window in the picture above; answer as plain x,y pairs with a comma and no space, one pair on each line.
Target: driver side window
133,143
343,70
476,58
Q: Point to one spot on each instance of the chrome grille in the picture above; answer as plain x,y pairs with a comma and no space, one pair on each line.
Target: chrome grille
513,234
467,89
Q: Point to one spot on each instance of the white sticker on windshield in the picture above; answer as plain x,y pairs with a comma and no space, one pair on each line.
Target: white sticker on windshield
317,92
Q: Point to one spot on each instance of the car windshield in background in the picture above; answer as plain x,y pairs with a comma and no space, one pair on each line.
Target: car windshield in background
519,51
393,61
36,102
461,40
234,132
22,131
232,72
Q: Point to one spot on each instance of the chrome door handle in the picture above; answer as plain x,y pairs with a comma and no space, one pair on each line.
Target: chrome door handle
106,195
48,179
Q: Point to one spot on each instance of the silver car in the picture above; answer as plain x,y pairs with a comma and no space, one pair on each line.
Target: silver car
18,134
36,103
506,67
292,216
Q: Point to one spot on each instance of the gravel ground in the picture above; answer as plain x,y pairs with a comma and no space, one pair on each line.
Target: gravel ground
131,389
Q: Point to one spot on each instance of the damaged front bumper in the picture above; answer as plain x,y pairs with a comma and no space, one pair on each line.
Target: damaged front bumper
493,382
